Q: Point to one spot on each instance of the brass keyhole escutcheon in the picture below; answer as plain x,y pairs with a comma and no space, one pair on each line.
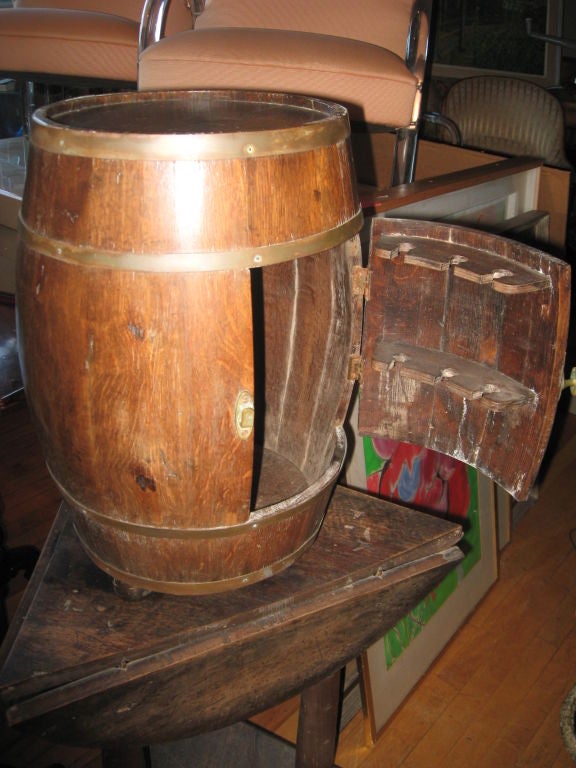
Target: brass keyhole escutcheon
244,414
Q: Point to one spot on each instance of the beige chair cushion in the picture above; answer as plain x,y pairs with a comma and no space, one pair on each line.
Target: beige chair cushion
61,42
179,15
384,24
129,9
371,81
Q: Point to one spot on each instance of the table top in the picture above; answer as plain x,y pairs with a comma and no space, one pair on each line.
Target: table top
82,665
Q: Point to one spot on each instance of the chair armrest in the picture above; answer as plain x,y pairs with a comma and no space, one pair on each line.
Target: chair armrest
449,126
153,20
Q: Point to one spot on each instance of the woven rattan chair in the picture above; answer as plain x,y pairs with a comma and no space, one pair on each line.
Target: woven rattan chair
51,40
508,116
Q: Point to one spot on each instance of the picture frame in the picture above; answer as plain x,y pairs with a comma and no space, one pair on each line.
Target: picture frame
425,632
393,665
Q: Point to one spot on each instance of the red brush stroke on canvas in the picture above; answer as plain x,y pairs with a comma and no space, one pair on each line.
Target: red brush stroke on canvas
420,477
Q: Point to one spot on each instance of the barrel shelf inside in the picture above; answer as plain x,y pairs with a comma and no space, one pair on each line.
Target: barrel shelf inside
467,378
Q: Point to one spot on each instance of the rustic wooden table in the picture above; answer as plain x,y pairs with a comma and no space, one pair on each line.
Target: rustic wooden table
81,665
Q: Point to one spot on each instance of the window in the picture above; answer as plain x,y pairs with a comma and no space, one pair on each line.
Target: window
475,37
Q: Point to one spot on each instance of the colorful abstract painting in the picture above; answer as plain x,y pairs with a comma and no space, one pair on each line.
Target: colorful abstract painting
431,482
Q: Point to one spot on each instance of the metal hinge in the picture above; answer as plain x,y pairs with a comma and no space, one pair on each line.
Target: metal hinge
361,281
355,368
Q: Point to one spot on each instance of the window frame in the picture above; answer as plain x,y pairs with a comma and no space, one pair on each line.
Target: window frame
552,57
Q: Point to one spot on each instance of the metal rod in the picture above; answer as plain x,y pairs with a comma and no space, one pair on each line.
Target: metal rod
552,39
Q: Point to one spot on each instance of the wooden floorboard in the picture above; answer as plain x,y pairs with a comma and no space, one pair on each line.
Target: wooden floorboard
493,697
500,683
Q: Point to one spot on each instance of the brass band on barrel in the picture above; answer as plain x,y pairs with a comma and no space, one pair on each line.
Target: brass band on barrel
207,146
51,136
199,261
201,587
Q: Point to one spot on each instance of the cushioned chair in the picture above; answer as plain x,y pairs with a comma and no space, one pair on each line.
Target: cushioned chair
87,42
508,116
369,56
89,39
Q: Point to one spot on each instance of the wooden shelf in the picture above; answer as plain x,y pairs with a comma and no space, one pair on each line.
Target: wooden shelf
466,378
477,266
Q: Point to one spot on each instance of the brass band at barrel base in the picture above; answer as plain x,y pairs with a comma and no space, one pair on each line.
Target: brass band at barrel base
201,587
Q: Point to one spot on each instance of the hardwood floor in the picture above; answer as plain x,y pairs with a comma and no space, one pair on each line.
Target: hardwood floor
493,697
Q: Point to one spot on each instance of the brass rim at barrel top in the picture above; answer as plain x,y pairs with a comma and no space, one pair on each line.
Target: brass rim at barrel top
48,134
199,261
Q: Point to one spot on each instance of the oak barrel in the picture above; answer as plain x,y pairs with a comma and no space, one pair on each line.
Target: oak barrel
186,315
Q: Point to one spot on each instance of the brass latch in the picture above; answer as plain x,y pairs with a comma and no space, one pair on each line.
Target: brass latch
244,415
361,281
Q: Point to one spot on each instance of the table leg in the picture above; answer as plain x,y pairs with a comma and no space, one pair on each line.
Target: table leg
318,723
127,757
